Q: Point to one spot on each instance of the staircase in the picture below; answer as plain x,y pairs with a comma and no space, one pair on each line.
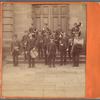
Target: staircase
82,59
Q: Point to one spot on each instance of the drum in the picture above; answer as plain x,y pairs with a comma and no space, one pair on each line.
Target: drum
79,41
78,45
33,53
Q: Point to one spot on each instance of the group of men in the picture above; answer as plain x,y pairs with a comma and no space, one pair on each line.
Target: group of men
48,44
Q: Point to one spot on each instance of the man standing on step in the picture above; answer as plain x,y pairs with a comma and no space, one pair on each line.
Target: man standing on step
15,50
76,49
32,29
70,48
46,41
51,52
46,30
63,49
39,45
24,42
30,46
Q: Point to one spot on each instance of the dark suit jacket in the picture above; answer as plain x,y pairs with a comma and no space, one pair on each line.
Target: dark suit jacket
46,41
51,48
30,44
46,30
14,45
65,44
39,41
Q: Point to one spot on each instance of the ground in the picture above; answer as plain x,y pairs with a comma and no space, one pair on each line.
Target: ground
42,81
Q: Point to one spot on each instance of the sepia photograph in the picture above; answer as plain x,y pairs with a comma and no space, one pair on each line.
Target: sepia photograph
44,50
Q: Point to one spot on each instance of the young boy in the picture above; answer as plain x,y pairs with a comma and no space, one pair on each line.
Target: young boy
63,46
15,50
51,52
30,46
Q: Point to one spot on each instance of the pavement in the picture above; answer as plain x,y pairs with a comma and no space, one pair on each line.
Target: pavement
42,81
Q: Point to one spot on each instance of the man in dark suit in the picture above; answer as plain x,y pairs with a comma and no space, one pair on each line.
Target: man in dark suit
32,29
30,46
46,30
24,42
75,29
70,48
15,50
63,49
51,52
46,41
76,49
39,45
58,35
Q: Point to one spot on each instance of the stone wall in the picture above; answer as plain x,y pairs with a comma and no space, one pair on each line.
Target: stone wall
22,18
7,24
17,19
77,13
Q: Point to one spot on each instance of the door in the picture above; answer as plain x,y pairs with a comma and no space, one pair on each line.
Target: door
51,14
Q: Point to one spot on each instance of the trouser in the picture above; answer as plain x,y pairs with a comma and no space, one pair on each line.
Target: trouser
75,58
51,59
40,52
25,54
45,55
57,44
63,55
31,61
69,52
15,58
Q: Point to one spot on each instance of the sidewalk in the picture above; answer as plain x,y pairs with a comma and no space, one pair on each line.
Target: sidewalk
61,81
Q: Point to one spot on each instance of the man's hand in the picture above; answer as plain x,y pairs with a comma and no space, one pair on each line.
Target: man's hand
26,52
67,49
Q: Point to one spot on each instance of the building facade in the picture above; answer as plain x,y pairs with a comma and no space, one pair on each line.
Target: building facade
18,17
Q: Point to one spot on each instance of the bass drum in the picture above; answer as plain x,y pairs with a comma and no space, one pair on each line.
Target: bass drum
78,45
33,53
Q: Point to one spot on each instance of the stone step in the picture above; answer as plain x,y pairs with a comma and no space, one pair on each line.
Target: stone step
42,61
57,57
82,59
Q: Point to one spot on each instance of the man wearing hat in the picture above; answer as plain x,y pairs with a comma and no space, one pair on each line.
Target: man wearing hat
46,29
51,52
70,48
15,50
75,29
39,45
30,46
58,35
33,30
46,41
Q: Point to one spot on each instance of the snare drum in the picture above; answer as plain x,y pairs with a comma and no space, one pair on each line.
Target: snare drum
33,53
